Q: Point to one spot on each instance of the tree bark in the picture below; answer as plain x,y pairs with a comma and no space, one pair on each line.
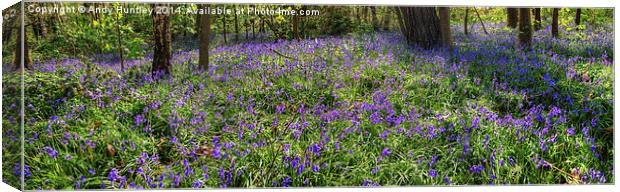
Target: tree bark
375,22
513,17
236,25
465,21
205,30
357,15
224,25
554,22
19,42
162,53
525,28
246,25
578,17
365,13
444,23
537,19
120,45
421,26
386,20
295,27
253,28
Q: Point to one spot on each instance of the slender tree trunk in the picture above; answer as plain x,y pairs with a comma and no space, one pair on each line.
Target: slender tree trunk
358,15
421,26
578,17
525,28
205,30
365,13
42,25
246,25
386,20
554,22
295,27
254,29
465,21
224,25
262,27
537,19
375,22
481,21
444,23
162,52
401,20
120,45
236,25
301,24
513,17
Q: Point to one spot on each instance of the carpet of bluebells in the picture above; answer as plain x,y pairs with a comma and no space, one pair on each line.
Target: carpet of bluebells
353,110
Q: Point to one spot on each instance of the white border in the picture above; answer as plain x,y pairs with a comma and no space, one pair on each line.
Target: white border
523,3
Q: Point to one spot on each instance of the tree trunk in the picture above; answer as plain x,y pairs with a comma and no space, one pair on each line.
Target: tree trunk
36,28
525,28
421,26
578,17
357,15
162,52
444,23
205,30
246,25
481,21
224,25
554,22
236,25
465,21
513,17
400,19
253,29
365,13
120,45
386,20
375,22
20,25
537,19
295,27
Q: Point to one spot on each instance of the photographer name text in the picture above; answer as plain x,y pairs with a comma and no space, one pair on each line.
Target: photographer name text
33,8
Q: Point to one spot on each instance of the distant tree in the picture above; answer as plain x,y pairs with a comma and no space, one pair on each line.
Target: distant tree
358,13
386,20
537,19
444,23
420,26
119,40
465,21
578,17
162,52
224,25
295,24
246,26
365,13
525,28
253,22
205,30
236,24
513,17
375,21
554,22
